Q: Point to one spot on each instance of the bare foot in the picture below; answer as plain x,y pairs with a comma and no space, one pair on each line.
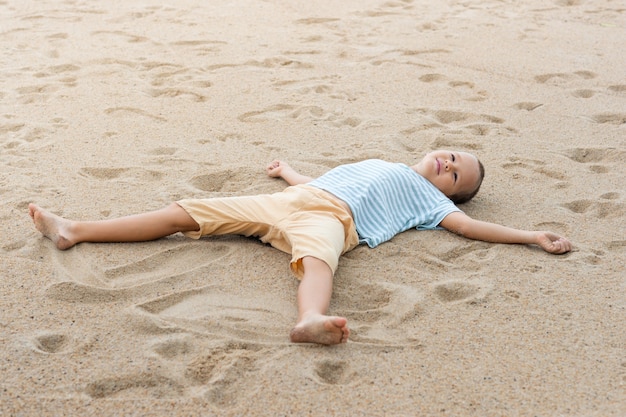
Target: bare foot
55,228
326,330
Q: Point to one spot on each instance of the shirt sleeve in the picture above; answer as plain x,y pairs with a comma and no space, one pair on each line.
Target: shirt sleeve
439,212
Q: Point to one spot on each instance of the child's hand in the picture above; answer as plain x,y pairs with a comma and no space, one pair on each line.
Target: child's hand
280,169
553,243
275,168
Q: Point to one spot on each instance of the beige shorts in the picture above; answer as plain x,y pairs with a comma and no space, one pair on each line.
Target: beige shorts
301,220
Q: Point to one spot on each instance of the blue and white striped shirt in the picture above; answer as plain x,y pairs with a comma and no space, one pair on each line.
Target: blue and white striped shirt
386,198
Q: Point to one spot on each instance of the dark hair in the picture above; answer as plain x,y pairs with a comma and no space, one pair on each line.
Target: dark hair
464,197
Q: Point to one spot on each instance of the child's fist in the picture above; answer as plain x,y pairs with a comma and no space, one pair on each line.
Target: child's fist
552,243
275,168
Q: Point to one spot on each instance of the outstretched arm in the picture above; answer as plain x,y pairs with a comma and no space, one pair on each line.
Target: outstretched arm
280,169
463,225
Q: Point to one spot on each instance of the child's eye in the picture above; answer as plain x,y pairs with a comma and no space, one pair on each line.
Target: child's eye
453,158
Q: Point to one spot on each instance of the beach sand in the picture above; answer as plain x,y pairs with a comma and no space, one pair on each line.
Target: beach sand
118,107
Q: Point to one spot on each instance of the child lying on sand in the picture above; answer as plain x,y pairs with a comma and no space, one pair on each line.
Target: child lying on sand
318,220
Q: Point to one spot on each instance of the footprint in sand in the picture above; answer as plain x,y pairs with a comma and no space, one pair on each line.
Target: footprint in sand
578,82
583,93
55,343
325,86
560,78
460,122
173,81
51,343
595,155
133,386
118,34
598,160
200,47
617,89
332,372
609,118
465,88
132,112
403,56
535,168
127,174
36,93
598,208
173,346
269,63
163,151
527,105
221,375
174,92
226,180
456,291
11,128
217,372
61,72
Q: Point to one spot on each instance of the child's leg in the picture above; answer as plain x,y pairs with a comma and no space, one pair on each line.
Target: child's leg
141,227
314,295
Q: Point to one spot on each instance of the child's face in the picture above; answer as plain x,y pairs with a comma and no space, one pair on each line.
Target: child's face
451,172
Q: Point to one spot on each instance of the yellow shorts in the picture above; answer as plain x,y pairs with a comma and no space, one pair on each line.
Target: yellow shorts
301,220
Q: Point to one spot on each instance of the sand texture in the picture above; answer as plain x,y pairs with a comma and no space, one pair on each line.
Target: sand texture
115,107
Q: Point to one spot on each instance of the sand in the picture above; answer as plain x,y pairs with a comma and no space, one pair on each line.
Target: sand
117,107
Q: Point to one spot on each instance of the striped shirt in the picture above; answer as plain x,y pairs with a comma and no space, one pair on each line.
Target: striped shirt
386,198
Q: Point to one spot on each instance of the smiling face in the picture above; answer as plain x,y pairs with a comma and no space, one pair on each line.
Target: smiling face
456,174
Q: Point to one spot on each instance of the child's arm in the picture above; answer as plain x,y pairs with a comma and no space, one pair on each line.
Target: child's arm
280,169
463,225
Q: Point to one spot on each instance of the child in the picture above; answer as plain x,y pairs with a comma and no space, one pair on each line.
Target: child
317,220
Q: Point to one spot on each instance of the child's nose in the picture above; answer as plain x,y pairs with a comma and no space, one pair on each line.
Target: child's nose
450,164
